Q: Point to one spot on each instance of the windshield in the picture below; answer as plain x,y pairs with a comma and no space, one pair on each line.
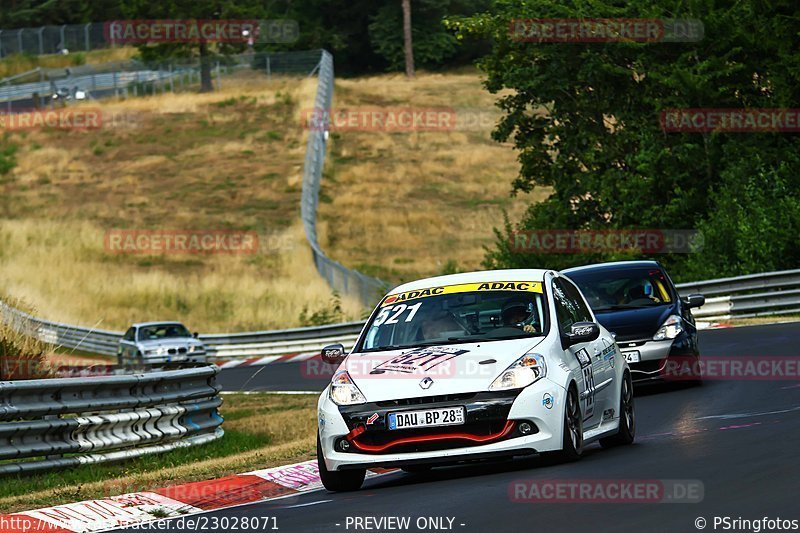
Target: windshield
163,331
457,313
608,290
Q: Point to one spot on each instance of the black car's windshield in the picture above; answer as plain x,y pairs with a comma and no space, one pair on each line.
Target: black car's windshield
470,312
623,288
163,331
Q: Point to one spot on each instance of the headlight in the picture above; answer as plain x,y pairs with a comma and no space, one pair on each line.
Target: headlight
525,370
670,329
344,392
157,351
193,349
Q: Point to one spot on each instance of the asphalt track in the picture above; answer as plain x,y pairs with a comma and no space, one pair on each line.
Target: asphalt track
738,438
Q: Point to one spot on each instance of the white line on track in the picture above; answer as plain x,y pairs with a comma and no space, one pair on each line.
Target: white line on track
307,504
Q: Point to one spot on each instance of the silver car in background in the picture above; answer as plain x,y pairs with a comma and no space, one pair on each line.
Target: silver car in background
160,342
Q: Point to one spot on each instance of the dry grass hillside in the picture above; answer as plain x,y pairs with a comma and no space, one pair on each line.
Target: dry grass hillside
404,205
221,161
396,205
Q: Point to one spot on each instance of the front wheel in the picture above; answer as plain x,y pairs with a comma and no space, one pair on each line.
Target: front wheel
572,442
627,417
338,481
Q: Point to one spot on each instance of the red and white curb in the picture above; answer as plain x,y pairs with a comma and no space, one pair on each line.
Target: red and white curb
713,325
171,502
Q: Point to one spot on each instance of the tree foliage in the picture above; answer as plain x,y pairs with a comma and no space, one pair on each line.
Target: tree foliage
584,118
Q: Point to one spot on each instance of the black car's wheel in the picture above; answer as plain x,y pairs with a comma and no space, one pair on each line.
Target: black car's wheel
338,481
627,416
572,443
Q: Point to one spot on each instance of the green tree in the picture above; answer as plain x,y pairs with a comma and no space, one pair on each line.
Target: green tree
584,118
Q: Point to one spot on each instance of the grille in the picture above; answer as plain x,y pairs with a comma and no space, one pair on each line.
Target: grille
426,400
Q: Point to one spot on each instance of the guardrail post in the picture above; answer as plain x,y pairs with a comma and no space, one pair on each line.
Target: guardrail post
86,36
19,41
41,41
62,34
1,43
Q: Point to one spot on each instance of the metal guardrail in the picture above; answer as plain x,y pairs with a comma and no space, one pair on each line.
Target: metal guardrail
259,343
765,294
74,421
339,277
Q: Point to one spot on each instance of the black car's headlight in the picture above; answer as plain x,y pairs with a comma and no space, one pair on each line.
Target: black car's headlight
526,370
671,328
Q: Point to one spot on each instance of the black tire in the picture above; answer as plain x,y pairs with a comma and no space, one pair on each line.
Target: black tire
340,480
416,469
572,443
627,417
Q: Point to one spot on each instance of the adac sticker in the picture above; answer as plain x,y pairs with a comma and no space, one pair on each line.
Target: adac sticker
518,286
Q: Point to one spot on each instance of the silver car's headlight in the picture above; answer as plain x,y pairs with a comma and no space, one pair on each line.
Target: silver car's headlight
344,392
157,351
526,370
193,349
671,328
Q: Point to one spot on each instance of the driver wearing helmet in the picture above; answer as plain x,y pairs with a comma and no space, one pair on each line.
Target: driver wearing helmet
519,314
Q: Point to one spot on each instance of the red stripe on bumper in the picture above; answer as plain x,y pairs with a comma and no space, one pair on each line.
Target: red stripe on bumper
353,436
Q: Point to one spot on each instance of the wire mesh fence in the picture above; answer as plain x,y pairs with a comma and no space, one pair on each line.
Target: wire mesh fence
48,87
342,279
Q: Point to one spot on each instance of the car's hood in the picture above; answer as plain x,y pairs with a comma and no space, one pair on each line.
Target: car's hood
454,368
635,324
176,342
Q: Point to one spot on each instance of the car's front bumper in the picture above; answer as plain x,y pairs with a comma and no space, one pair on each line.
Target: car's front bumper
491,429
655,354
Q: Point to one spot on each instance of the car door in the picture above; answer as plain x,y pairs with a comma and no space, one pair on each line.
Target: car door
594,386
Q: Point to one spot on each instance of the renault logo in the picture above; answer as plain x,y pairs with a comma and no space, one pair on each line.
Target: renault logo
426,383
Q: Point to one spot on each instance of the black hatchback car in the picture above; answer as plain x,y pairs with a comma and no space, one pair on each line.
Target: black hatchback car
639,304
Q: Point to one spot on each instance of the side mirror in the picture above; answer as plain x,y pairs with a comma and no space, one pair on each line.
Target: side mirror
694,300
333,354
580,332
196,335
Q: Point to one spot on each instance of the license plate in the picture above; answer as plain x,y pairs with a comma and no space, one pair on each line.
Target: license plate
632,357
447,416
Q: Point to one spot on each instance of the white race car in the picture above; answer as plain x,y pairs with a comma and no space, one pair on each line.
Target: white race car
472,366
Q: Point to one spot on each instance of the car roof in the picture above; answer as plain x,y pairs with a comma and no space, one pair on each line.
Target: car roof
518,274
612,265
162,323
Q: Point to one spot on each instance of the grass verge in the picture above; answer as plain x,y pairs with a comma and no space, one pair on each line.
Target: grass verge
261,431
